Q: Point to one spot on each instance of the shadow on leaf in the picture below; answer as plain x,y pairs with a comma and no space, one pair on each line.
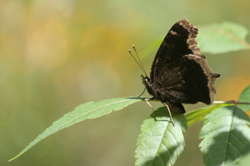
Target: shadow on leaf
160,142
225,148
226,135
162,159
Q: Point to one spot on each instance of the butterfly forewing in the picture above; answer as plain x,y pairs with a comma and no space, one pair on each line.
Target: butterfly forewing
173,47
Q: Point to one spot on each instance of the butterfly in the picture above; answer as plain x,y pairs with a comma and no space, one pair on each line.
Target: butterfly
179,73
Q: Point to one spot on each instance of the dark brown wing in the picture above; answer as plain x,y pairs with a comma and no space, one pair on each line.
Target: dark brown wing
173,47
179,71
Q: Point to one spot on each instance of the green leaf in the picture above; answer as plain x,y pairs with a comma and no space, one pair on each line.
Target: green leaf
88,110
244,160
225,135
160,142
199,114
245,97
222,38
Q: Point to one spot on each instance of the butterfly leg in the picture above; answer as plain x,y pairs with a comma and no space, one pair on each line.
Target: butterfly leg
146,100
169,112
142,92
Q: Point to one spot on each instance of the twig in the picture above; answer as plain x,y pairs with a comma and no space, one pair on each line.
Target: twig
231,102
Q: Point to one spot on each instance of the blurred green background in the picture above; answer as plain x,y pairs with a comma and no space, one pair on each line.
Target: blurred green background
58,54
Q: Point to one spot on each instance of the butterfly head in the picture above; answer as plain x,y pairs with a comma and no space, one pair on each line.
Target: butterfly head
145,80
149,85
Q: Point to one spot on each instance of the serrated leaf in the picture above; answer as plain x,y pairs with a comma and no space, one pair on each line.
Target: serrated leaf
245,97
222,38
160,143
225,135
88,110
199,114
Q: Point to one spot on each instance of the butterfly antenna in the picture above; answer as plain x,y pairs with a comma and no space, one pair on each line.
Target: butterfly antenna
134,58
139,61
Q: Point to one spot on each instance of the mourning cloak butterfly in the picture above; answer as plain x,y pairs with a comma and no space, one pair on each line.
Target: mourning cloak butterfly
180,73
